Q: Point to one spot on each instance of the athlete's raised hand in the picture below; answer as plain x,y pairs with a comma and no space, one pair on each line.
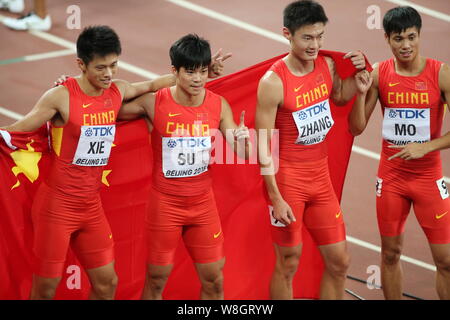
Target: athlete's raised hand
241,132
357,59
216,67
363,80
410,151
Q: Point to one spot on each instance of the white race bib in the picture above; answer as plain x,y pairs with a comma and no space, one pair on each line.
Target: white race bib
185,156
313,123
443,190
94,146
379,186
273,221
405,125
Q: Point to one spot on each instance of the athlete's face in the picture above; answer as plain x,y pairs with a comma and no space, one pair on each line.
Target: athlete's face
100,70
191,80
404,45
306,41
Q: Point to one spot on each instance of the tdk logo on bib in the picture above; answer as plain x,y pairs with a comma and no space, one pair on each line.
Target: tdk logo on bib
99,131
407,114
189,142
302,115
313,111
171,143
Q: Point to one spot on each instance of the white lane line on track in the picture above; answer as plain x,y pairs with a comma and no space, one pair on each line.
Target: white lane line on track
375,248
48,55
38,56
422,9
10,114
277,37
229,20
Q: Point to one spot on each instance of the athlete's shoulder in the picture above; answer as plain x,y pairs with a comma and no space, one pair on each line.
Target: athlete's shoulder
271,79
223,101
270,88
444,77
121,84
329,60
375,72
444,68
59,94
386,63
383,69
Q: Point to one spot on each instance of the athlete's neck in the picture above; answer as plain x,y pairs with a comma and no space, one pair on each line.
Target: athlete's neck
298,66
87,87
184,98
410,68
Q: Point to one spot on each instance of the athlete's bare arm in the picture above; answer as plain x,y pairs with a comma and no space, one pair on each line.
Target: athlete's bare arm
132,90
53,105
344,90
418,150
143,106
270,96
237,136
365,102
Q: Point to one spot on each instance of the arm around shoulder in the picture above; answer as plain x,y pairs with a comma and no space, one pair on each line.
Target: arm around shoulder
132,90
444,82
136,108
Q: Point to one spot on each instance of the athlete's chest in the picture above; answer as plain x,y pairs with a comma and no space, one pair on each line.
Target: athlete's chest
306,93
187,121
94,112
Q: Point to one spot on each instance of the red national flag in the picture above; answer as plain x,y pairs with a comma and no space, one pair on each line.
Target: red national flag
238,188
22,165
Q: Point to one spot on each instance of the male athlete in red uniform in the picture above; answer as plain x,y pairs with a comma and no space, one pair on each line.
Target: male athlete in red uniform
67,209
293,97
412,90
185,120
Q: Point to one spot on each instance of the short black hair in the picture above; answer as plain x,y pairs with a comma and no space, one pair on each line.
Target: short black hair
398,19
190,52
301,13
97,41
